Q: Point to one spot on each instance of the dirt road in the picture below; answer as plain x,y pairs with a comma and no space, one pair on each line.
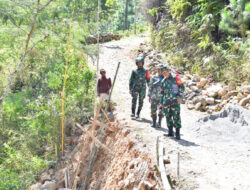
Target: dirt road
208,160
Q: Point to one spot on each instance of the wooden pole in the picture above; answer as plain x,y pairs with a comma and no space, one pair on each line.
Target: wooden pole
65,78
98,51
162,170
178,166
113,84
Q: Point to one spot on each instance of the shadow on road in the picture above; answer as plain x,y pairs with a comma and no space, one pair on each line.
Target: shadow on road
113,47
162,129
186,143
144,120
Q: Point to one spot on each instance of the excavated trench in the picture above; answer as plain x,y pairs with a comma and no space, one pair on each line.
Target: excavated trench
116,164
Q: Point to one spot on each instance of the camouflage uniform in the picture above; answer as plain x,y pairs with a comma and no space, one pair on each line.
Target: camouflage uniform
154,94
137,86
172,89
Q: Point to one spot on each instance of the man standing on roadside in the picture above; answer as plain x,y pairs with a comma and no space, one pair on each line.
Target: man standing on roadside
137,86
104,86
154,94
171,98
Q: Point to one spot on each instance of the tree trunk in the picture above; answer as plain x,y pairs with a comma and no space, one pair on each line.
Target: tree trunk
135,18
126,16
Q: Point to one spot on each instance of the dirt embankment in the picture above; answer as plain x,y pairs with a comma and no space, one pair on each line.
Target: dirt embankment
121,165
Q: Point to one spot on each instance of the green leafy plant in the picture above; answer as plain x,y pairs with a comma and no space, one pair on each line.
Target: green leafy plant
236,17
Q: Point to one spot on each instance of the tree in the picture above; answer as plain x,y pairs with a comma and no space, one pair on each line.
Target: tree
236,17
126,15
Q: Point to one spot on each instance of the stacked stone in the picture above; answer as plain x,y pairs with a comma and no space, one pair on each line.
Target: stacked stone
202,93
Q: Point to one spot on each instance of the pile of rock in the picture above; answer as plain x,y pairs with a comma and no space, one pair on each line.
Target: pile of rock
202,94
152,58
92,39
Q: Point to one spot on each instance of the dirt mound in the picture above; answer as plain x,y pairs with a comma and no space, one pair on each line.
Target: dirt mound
230,125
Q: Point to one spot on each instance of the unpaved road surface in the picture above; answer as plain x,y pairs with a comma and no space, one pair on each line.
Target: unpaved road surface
208,160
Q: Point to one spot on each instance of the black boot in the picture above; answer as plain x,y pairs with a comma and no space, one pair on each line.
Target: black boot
154,121
177,134
138,114
159,122
170,131
133,112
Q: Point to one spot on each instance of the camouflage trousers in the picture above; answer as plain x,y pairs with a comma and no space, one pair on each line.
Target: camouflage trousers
172,113
141,93
154,107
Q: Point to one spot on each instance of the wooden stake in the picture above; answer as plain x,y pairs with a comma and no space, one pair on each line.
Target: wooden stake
178,166
89,170
162,170
67,179
113,84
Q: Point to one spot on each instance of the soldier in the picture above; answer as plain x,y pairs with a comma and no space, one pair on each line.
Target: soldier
137,85
154,94
172,95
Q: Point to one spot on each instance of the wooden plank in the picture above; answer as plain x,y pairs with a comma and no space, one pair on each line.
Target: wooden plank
162,170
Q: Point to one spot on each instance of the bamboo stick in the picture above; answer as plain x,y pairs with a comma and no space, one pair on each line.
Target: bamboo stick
113,84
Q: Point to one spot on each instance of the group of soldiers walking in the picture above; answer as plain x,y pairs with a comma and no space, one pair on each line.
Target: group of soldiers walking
165,95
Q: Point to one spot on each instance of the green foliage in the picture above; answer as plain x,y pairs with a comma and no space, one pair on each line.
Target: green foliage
178,7
196,44
30,124
236,17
